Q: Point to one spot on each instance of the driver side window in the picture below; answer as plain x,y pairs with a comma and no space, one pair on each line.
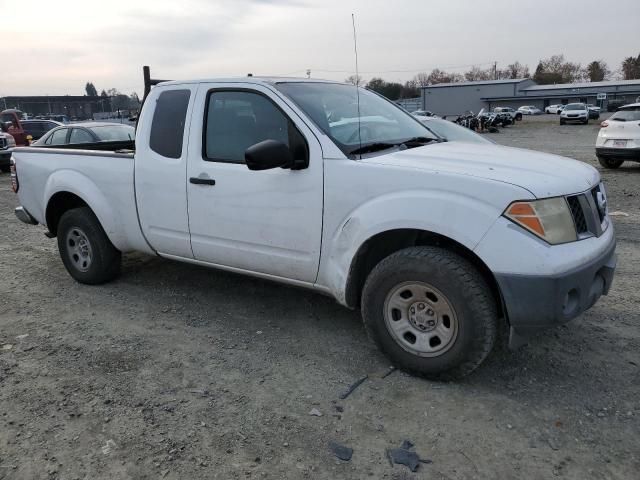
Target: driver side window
236,120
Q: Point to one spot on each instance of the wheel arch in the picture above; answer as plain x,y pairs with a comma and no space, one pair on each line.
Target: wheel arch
58,205
383,244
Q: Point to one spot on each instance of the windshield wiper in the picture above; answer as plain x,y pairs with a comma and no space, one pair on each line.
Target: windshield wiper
373,147
417,141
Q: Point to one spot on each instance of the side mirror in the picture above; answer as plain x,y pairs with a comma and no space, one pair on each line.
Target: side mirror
268,154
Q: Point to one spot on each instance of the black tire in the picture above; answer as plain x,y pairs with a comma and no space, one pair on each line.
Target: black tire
465,289
586,122
561,122
6,169
104,261
518,116
607,162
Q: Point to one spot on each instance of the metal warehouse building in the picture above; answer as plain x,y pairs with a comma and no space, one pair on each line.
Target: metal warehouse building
457,98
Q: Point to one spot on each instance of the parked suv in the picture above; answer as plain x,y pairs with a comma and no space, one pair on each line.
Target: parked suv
37,128
575,112
619,138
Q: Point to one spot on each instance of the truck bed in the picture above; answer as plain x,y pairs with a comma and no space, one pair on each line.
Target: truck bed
102,179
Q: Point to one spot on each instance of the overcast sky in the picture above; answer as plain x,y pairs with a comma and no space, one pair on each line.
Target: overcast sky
55,47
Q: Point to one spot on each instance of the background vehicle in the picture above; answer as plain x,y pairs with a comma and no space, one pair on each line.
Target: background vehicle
619,137
515,115
6,144
282,179
81,133
530,110
555,109
574,112
423,113
594,111
452,132
12,118
37,128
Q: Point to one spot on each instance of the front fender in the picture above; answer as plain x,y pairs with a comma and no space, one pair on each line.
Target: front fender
72,181
464,219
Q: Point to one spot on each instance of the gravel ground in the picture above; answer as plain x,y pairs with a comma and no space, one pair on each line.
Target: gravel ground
175,371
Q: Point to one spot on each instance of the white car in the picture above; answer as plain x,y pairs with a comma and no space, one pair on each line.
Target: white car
515,115
593,108
619,137
574,112
554,109
426,237
529,110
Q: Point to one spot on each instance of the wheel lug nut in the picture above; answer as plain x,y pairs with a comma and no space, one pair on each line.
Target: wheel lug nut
421,306
430,312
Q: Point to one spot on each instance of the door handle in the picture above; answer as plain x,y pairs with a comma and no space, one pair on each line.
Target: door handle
202,181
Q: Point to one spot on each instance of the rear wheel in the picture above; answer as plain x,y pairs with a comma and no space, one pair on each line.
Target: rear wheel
86,251
431,312
607,162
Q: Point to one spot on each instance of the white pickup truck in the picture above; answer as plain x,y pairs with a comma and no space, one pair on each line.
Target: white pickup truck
440,244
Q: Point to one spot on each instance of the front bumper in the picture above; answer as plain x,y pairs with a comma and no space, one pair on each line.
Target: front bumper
535,303
619,153
574,119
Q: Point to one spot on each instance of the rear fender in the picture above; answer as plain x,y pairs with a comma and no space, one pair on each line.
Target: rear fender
75,182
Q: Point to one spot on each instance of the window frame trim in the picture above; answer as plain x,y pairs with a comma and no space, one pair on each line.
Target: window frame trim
207,102
187,120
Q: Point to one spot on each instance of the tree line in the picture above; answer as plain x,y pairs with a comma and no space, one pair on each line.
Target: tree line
555,69
116,100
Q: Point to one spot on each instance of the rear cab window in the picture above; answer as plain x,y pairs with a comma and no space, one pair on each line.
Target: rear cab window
169,119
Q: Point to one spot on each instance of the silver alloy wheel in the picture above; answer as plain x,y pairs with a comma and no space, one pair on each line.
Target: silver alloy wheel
79,249
421,319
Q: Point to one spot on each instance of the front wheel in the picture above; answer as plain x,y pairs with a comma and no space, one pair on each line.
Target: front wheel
6,169
607,162
518,116
86,251
431,312
561,122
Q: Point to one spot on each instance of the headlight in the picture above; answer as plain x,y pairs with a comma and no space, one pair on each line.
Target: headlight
550,219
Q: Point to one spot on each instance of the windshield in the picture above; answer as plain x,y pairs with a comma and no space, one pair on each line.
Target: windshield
114,133
575,106
628,115
334,109
454,133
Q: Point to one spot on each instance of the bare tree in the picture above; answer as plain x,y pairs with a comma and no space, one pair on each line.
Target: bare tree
355,80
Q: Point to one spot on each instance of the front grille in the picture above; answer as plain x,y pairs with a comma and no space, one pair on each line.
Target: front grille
587,216
578,215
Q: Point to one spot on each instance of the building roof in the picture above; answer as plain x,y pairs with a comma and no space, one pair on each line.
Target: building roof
479,82
564,86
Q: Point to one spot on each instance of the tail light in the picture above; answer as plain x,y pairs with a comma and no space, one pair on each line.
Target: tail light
604,124
14,177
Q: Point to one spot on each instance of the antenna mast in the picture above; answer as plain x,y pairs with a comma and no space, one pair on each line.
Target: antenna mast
355,49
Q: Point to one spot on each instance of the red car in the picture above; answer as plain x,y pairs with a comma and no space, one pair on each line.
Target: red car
11,120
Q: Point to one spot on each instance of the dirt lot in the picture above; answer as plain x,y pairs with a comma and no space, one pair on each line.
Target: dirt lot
179,372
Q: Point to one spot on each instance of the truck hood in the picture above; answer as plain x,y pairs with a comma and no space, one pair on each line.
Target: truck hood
544,175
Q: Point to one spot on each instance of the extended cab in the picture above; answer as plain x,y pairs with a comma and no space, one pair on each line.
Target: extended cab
439,243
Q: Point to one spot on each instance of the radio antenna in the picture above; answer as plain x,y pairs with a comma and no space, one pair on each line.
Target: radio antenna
357,82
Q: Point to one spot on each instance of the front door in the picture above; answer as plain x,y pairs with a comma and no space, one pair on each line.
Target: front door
266,221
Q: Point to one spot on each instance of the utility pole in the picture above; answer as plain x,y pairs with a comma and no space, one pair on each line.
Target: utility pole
495,70
308,73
